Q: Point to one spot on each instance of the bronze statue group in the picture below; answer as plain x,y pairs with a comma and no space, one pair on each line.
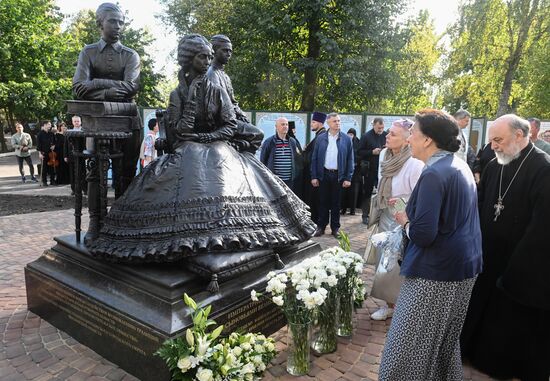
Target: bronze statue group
209,194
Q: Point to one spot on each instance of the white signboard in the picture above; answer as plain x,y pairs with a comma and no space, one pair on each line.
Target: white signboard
351,121
265,121
388,120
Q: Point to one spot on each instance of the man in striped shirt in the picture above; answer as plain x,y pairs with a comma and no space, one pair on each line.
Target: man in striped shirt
279,153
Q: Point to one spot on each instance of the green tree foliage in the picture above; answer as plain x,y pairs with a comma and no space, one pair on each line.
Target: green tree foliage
488,70
38,58
34,75
417,82
84,30
535,74
302,54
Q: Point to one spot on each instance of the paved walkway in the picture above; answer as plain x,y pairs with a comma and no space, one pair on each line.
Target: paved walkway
32,349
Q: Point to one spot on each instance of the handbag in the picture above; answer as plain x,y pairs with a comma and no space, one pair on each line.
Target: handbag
404,243
370,251
374,210
365,166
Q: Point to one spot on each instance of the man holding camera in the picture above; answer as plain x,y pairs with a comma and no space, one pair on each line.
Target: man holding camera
22,143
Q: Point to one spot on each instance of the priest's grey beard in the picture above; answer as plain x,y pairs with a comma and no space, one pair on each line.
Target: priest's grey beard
504,158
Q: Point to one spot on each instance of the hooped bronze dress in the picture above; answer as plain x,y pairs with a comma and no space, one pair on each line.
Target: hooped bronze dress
203,197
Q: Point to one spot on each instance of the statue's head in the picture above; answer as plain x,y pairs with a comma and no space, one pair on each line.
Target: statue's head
194,52
110,19
222,48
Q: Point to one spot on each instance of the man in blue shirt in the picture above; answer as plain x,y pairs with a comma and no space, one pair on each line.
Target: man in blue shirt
331,170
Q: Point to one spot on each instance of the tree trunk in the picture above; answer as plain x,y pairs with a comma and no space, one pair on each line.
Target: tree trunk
310,72
11,125
516,53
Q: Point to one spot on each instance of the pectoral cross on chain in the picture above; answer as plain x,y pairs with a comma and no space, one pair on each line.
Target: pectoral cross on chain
498,208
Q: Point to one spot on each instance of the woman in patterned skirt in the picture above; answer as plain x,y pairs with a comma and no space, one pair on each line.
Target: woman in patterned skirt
441,260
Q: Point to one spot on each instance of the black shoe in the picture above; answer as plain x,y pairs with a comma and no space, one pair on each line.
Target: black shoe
365,220
319,232
343,212
23,179
34,179
335,233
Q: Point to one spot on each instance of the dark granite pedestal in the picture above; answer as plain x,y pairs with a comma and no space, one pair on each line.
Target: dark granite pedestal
125,312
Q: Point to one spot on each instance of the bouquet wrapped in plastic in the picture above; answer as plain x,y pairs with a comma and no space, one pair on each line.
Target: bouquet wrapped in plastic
392,245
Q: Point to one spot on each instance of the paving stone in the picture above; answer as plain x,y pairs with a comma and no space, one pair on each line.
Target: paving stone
78,376
66,373
6,370
41,355
18,361
33,372
116,374
15,351
342,366
323,363
330,374
101,370
50,361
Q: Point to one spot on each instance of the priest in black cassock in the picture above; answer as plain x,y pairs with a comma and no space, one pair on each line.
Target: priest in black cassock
507,330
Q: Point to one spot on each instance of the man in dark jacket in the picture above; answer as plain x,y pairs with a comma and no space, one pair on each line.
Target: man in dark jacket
45,143
351,194
370,146
331,170
279,153
310,193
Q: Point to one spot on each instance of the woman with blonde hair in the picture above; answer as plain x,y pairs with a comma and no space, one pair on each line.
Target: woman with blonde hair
398,173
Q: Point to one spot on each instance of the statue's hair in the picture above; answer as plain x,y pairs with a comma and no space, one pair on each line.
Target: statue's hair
102,11
218,40
189,46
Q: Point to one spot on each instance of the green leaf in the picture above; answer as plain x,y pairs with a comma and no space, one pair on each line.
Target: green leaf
215,333
189,301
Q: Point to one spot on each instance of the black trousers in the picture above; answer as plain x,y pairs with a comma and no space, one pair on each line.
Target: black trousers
47,170
330,193
350,195
290,184
28,160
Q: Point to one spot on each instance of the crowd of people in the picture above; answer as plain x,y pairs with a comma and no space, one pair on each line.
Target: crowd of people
472,283
52,153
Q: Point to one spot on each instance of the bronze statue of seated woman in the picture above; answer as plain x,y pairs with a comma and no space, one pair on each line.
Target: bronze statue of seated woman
204,196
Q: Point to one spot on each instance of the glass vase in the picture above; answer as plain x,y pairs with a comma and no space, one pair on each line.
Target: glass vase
345,315
299,340
325,339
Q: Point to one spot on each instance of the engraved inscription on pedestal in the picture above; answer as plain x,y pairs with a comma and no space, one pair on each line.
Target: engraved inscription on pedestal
92,323
262,316
98,319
